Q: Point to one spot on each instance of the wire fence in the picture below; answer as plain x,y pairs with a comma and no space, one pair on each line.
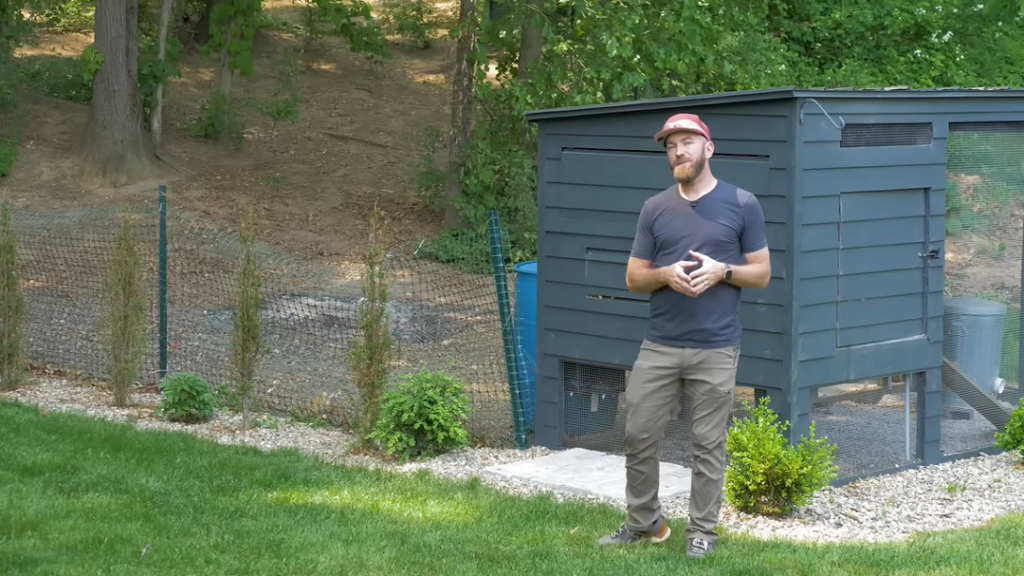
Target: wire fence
443,316
984,239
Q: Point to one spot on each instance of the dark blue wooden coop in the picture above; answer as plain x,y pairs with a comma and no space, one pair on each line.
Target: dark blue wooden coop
853,187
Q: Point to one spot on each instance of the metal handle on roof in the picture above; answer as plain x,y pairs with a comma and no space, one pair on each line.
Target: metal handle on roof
842,123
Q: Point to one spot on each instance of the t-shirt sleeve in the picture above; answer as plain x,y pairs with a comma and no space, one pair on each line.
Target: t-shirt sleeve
753,237
643,242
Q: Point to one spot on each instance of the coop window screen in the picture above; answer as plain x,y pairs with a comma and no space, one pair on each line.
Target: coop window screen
864,135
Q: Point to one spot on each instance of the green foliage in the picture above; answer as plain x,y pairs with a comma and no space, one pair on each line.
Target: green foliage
247,344
601,52
12,30
284,105
350,19
186,398
428,179
918,43
1011,438
373,349
467,250
65,15
218,119
410,19
12,306
768,475
123,319
92,61
423,415
65,78
233,24
10,135
153,71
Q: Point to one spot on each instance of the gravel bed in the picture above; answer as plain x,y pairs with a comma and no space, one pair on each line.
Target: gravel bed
956,495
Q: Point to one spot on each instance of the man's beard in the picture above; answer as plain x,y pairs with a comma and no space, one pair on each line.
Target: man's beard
689,174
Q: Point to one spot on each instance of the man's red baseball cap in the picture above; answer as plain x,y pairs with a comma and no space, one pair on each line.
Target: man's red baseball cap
682,123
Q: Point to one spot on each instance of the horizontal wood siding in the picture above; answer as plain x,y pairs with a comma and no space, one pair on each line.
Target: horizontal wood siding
760,122
869,304
595,179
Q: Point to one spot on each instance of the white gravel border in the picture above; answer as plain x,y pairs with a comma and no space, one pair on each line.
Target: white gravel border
962,494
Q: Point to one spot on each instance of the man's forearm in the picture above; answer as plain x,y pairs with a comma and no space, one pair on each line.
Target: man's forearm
750,275
645,280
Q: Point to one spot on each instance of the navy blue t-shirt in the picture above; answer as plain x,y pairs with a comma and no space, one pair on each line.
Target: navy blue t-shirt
724,224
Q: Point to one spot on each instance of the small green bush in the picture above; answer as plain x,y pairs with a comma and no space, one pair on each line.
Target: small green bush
423,415
186,397
1011,438
13,318
373,348
123,323
768,475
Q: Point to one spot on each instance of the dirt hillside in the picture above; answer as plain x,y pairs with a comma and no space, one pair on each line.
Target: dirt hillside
358,137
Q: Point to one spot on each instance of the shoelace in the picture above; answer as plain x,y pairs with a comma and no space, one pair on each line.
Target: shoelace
701,543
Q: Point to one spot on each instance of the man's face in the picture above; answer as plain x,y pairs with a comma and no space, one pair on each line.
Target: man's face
687,155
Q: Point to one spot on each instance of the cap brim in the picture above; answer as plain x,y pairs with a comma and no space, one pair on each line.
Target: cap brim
661,136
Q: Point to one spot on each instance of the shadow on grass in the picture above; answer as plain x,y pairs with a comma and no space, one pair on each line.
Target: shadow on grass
81,496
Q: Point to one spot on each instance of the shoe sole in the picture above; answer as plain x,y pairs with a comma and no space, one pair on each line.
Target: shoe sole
656,540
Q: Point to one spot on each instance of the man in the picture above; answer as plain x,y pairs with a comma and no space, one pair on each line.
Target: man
697,244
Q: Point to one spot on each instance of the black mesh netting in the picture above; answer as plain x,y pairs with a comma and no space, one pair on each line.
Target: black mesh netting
442,317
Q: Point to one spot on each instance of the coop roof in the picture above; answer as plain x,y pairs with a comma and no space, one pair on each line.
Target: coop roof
771,94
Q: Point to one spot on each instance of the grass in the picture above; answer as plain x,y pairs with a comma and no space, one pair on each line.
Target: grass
82,496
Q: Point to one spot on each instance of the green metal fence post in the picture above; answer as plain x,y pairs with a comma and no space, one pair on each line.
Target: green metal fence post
162,295
507,326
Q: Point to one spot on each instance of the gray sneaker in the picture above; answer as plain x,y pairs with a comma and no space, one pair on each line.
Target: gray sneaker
699,548
625,535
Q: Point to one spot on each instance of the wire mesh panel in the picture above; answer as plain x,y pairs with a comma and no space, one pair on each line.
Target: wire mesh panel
886,134
872,424
442,316
64,257
984,223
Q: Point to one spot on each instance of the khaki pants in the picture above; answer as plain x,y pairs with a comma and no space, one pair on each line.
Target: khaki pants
660,375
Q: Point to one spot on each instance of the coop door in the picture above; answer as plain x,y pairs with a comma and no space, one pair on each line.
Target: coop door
883,267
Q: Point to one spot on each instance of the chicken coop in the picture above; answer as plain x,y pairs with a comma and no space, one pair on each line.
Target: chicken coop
893,218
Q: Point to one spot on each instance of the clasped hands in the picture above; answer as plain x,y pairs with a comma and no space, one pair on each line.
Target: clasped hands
695,283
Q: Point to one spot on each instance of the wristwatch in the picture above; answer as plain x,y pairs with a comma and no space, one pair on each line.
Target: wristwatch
728,272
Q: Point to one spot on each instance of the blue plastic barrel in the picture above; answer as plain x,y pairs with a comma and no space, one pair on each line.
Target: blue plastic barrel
972,337
526,330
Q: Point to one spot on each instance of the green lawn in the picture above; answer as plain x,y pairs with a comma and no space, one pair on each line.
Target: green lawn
80,496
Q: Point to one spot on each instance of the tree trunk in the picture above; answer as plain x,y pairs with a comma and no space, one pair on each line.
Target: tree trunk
462,100
532,39
117,149
156,121
222,78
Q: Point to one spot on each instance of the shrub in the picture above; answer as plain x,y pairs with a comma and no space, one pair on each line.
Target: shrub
185,397
12,306
768,475
123,322
373,348
247,344
423,415
1011,438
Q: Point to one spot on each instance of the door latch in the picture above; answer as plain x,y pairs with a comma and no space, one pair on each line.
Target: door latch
932,254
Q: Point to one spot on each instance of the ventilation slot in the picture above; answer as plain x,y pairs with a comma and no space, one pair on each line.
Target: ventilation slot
865,135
